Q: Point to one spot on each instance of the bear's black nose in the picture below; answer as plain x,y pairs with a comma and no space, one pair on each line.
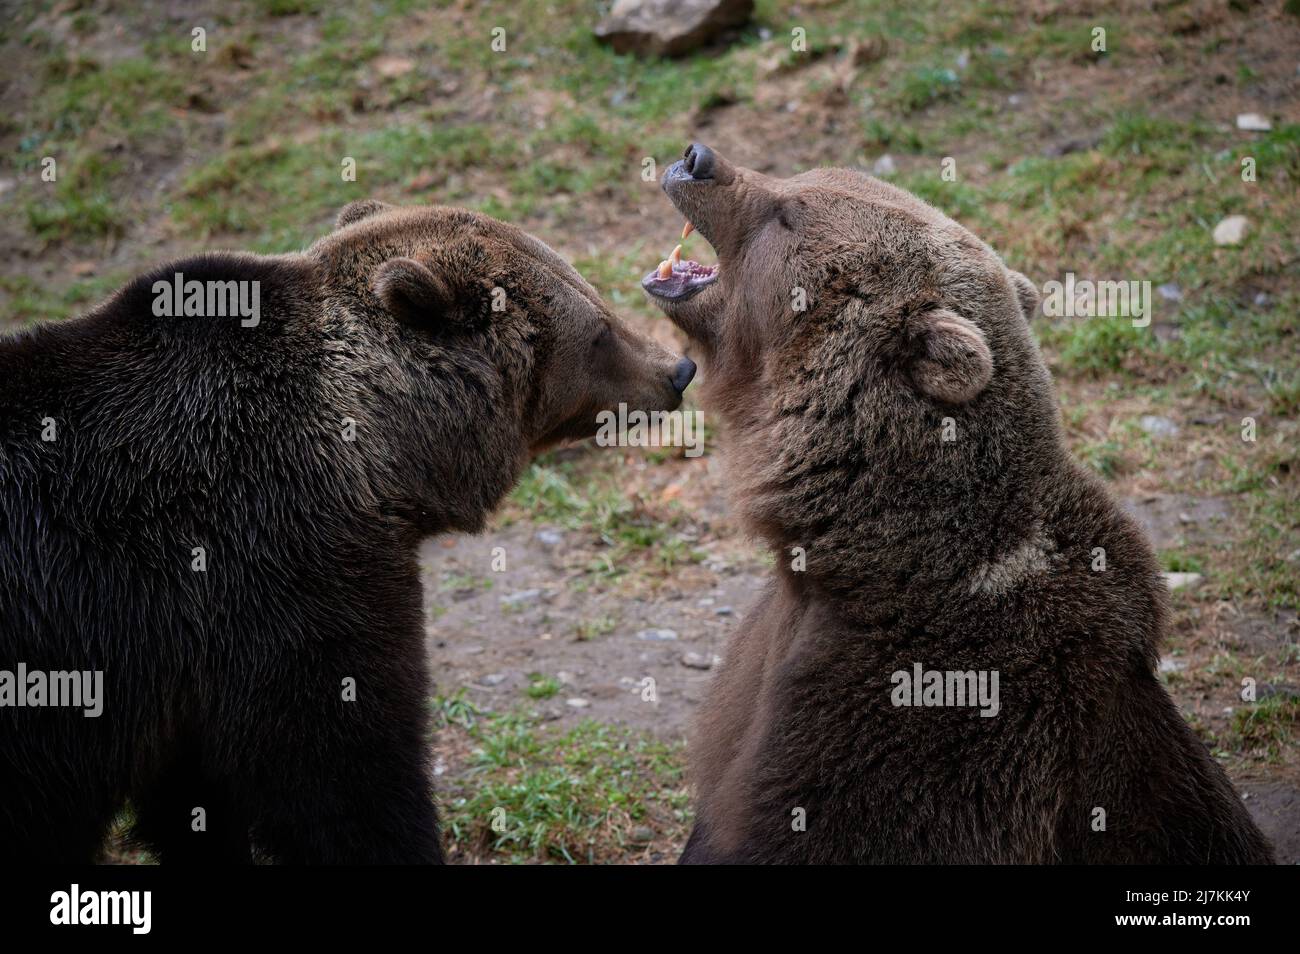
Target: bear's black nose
683,374
699,161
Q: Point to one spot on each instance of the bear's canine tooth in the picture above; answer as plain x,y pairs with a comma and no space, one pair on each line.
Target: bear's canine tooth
665,269
676,257
687,229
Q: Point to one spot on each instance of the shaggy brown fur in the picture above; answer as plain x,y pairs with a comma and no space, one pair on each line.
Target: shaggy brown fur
969,554
224,689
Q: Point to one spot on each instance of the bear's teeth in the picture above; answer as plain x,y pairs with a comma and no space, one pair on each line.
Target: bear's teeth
676,257
665,269
687,229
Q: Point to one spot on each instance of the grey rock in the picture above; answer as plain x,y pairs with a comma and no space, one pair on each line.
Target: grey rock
521,597
1157,426
549,538
657,635
1231,230
884,166
699,661
669,27
1182,581
1170,291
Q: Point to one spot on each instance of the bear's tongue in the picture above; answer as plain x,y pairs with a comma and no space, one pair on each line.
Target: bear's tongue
675,277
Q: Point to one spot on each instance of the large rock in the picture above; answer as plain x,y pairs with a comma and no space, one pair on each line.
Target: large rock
669,27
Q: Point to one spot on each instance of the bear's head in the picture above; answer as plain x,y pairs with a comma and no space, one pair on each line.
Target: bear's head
477,346
887,409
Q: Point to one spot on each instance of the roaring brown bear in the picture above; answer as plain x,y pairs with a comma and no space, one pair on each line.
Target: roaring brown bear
955,661
214,485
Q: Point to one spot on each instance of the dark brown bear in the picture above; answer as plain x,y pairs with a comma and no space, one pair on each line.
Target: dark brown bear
896,441
221,515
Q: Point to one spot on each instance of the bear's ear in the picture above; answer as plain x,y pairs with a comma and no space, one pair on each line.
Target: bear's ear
1026,294
358,210
951,361
411,292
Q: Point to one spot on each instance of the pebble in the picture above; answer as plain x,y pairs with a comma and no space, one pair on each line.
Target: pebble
1170,291
884,166
1170,664
1158,426
1231,230
549,538
724,611
657,635
1182,581
521,597
577,702
699,661
1253,122
493,679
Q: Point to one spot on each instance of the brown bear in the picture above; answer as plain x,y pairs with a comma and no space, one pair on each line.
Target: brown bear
955,661
214,485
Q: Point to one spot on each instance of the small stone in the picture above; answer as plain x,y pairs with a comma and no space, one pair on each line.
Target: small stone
549,538
391,66
884,166
705,601
698,661
1263,299
1253,122
1157,426
1170,291
493,679
1170,664
577,702
1182,581
641,835
521,597
657,635
724,611
1231,230
565,677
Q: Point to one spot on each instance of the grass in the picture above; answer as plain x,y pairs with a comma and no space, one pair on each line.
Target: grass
537,793
634,533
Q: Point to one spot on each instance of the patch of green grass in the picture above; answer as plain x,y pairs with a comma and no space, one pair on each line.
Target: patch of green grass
558,493
1096,346
455,709
1106,457
33,301
1179,562
575,796
588,629
541,686
924,86
1267,726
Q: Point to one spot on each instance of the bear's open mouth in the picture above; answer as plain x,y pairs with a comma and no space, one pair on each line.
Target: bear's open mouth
677,279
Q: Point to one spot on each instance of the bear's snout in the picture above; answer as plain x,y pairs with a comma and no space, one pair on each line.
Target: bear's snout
698,161
683,374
